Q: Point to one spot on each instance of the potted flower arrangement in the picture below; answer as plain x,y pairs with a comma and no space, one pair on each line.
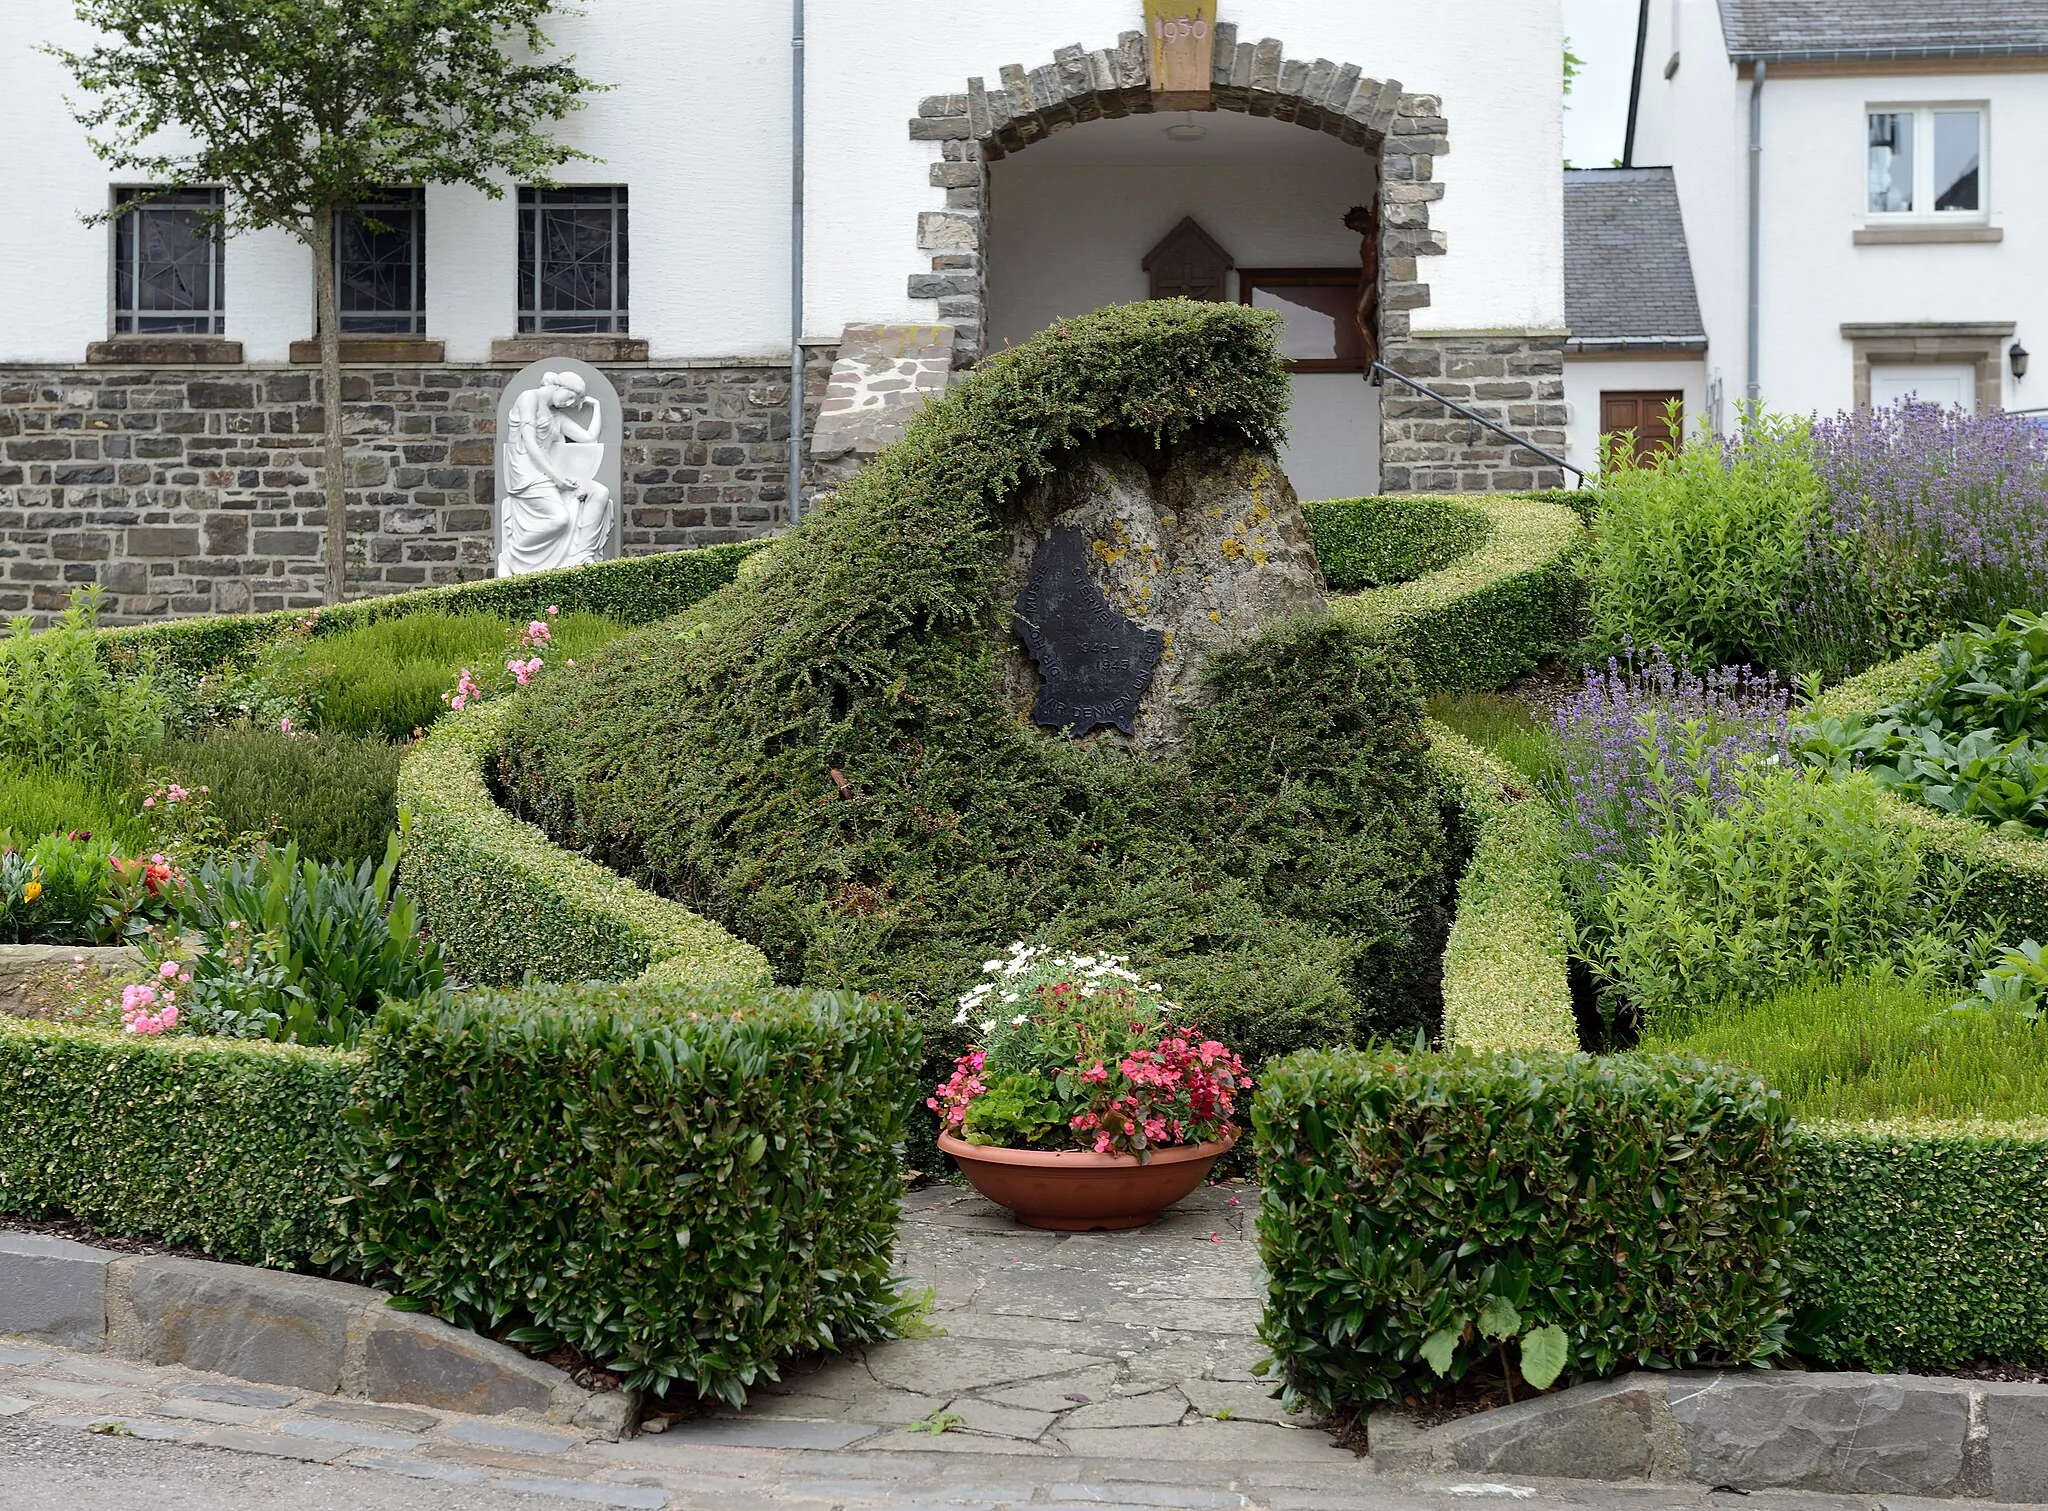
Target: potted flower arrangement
1090,1101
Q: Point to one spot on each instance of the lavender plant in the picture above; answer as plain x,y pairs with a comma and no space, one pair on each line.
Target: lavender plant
1931,519
1642,738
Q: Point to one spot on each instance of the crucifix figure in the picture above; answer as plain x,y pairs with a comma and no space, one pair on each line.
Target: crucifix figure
1366,222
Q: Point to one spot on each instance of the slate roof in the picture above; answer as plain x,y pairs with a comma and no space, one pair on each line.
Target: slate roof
1627,271
1788,30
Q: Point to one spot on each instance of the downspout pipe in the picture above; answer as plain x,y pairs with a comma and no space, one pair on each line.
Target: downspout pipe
796,262
1635,84
1754,388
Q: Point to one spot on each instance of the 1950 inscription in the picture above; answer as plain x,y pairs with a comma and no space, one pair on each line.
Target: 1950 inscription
1095,663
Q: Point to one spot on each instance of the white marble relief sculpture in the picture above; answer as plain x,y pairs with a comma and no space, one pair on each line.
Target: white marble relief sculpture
553,510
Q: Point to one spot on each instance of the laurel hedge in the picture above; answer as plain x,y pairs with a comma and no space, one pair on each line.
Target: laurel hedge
685,1184
1642,1204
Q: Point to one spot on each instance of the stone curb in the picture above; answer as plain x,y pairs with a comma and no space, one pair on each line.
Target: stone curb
1845,1433
272,1328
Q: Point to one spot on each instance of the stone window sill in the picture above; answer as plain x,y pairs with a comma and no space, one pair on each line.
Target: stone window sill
164,351
380,351
584,348
1925,236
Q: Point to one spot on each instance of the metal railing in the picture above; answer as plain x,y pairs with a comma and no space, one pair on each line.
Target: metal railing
1380,369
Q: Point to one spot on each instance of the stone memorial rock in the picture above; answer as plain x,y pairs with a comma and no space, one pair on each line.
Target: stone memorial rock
1129,567
559,430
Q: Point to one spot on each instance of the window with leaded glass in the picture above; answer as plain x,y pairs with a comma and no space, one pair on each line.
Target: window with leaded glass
380,265
170,263
572,259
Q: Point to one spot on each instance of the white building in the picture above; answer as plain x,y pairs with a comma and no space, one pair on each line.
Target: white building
979,167
1899,234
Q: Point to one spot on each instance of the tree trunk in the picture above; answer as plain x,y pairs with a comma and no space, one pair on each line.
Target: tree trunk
334,469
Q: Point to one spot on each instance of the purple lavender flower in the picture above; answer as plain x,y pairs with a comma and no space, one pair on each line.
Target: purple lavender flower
1641,735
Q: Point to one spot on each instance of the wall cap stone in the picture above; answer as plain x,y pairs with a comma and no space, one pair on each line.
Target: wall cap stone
586,348
163,351
380,351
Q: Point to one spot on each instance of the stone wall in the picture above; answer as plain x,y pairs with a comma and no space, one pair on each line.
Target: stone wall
1514,381
198,490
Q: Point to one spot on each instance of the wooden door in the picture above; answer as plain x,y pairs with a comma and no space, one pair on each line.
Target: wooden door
1655,417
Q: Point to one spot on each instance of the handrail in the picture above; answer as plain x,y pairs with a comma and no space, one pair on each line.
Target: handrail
1479,419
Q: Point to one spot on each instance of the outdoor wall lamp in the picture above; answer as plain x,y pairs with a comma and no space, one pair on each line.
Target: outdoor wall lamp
2018,357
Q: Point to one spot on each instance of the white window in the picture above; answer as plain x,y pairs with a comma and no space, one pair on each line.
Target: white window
1951,386
1926,160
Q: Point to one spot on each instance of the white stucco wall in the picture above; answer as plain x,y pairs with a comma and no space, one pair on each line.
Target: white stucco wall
697,127
1815,278
1586,378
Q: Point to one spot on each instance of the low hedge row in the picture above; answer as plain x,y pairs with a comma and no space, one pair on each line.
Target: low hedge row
631,589
689,1184
1640,1204
234,1147
1924,1244
1506,977
504,900
686,1184
1492,614
1372,542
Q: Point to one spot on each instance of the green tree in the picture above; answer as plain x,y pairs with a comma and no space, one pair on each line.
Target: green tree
304,110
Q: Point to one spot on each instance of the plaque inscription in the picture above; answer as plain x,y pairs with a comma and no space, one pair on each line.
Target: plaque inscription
1094,661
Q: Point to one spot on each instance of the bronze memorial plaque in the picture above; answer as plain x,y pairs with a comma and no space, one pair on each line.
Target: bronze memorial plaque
1095,662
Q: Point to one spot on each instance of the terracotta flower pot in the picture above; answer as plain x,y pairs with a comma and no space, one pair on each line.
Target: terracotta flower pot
1072,1190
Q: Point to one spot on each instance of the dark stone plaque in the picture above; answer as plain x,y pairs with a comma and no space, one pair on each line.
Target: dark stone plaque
1096,663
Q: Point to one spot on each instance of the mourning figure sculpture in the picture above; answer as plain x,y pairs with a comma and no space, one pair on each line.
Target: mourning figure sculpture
554,513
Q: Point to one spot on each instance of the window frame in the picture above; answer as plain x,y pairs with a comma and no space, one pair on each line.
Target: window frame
411,198
1923,113
125,233
1251,280
529,253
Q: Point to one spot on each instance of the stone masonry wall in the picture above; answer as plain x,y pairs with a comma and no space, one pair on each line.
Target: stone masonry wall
198,490
1515,381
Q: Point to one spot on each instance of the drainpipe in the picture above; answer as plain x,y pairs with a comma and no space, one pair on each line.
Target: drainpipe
1635,84
796,262
1756,227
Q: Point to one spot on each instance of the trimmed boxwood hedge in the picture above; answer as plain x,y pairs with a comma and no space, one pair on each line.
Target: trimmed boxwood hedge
1492,614
1925,1243
1506,978
235,1147
1641,1203
630,589
504,900
1372,542
686,1184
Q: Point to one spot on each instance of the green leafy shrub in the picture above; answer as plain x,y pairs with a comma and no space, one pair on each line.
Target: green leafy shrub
1871,1045
2016,986
291,949
236,1149
39,799
1798,875
687,1185
1923,1247
1492,614
335,796
1697,553
1371,542
553,913
1285,874
55,889
61,708
1640,1204
1971,740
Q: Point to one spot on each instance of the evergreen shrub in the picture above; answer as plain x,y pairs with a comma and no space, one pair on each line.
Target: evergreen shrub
821,758
333,795
1642,1204
685,1184
232,1147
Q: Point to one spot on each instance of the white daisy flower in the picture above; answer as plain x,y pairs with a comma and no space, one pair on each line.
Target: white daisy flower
988,1025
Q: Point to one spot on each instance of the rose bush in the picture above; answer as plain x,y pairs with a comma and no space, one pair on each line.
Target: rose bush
1080,1052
